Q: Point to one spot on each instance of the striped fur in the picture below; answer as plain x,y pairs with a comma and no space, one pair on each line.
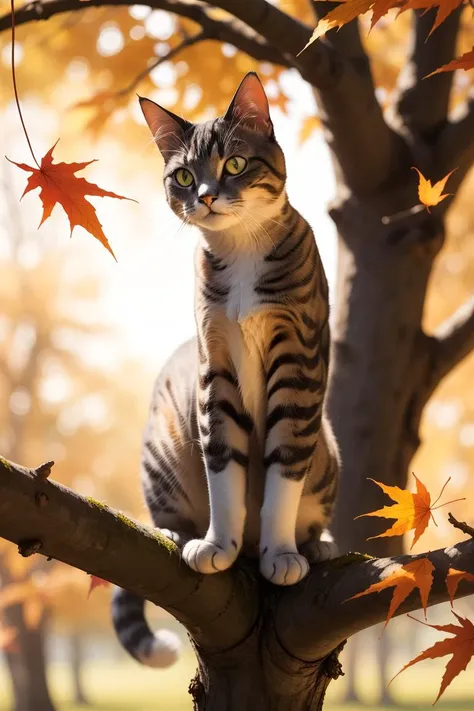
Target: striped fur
241,407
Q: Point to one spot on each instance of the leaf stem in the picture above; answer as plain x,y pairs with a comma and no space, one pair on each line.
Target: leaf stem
12,4
442,490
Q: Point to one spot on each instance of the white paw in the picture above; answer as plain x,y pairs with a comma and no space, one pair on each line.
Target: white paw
320,551
207,557
284,568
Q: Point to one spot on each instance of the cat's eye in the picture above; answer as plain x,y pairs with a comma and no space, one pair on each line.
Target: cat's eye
184,177
235,165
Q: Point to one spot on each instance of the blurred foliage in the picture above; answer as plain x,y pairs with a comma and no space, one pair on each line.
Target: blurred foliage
57,404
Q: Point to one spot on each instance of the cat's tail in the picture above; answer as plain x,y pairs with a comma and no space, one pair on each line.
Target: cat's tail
155,649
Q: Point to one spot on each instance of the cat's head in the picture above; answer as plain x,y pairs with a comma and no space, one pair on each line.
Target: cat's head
224,172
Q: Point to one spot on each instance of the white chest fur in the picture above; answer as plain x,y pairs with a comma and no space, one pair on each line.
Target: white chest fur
246,337
242,299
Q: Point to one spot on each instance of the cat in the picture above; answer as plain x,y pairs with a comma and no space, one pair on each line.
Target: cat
238,454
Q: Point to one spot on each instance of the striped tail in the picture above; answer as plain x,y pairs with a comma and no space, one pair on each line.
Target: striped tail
159,649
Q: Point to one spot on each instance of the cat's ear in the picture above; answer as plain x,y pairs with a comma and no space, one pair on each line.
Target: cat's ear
167,129
249,107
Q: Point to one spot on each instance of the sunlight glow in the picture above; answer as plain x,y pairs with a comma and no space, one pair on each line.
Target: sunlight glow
110,40
160,24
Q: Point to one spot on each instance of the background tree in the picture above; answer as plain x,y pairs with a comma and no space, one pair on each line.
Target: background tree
56,404
386,249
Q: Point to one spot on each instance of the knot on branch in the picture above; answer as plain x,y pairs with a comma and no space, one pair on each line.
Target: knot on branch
44,470
29,547
332,667
464,527
196,690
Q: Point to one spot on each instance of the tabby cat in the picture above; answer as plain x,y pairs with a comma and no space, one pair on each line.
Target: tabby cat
240,408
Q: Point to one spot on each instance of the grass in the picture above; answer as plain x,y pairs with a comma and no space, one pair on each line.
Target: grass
125,686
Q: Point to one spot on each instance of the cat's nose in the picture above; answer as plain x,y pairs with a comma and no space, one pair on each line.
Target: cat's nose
206,196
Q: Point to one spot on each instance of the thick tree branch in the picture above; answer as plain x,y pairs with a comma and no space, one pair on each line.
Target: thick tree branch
229,31
452,341
423,103
351,106
219,610
316,616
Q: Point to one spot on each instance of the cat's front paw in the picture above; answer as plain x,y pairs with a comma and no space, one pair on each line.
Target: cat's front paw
206,557
283,568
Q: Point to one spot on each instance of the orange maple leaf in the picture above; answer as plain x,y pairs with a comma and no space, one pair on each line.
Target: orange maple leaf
465,61
59,184
412,510
430,195
416,574
445,8
461,646
97,583
453,579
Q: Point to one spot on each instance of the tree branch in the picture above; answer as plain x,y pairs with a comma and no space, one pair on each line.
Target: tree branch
351,113
452,342
423,103
219,611
359,134
233,32
315,617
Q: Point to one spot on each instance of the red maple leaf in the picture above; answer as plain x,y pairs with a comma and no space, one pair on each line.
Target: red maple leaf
58,184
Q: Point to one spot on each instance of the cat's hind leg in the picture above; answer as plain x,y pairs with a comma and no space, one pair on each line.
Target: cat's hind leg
320,548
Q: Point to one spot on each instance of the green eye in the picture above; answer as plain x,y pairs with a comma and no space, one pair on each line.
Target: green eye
184,177
235,165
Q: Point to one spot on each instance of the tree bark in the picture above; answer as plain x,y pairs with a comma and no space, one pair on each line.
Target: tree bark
26,662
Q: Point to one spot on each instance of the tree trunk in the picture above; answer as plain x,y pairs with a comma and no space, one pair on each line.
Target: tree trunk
76,660
27,665
382,279
259,675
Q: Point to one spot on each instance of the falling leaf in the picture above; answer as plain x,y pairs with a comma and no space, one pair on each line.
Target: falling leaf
429,194
461,646
59,184
416,574
453,579
465,61
97,583
412,510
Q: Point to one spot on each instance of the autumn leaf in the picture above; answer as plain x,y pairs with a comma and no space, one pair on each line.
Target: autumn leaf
345,12
453,579
349,10
445,8
408,577
465,61
58,184
411,510
97,583
430,195
461,647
